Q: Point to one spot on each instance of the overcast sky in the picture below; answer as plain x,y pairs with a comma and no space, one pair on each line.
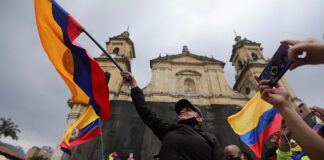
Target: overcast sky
34,95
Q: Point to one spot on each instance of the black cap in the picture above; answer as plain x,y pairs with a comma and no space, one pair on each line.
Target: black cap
183,103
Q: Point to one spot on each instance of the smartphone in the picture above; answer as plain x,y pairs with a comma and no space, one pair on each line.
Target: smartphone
130,155
277,66
303,110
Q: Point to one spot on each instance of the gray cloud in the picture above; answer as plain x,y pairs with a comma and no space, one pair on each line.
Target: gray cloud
34,95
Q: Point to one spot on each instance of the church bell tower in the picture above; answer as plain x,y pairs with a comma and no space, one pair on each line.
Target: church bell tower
121,48
248,60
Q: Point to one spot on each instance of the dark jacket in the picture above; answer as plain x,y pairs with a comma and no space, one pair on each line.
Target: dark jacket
179,141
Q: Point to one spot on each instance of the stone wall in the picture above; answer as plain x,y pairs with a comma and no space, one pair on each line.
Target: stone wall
125,132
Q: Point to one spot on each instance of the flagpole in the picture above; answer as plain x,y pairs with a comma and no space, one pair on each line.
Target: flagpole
111,58
102,149
102,146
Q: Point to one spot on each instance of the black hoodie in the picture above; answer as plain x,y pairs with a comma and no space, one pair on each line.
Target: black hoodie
179,141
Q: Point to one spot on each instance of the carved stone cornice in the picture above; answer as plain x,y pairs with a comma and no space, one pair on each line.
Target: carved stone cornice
188,73
104,58
74,115
169,58
152,94
122,37
71,103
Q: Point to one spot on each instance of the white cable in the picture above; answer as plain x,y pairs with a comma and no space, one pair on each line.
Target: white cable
288,141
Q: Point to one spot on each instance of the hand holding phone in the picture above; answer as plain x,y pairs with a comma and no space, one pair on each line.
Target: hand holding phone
277,66
318,112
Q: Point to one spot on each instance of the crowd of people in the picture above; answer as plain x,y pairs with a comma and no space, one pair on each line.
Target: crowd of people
185,140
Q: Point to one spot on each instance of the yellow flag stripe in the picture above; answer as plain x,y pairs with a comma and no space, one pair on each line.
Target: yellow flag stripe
86,118
248,118
51,36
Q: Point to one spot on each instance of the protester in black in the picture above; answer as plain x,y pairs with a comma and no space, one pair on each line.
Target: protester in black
182,141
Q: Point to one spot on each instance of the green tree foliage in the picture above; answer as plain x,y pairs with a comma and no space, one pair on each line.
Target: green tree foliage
8,128
38,158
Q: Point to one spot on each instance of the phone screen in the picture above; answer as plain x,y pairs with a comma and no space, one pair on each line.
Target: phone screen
277,66
130,155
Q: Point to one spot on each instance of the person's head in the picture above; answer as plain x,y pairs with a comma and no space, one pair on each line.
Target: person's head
246,156
233,152
188,113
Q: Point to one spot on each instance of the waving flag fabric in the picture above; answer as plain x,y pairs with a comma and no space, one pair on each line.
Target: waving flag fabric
255,123
58,31
319,128
84,129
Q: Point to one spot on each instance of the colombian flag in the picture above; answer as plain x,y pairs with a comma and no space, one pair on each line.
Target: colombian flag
255,123
113,156
319,128
84,129
58,31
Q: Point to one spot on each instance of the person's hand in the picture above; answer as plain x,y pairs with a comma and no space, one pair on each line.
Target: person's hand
130,158
285,136
277,95
128,77
274,140
285,132
313,48
319,112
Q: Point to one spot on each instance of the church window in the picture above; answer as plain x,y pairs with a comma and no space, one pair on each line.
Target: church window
247,90
107,76
254,56
239,64
116,50
189,86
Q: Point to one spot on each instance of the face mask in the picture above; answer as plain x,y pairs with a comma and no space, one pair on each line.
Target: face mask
231,158
191,121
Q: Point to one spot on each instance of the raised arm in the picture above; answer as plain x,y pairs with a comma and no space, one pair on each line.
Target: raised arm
312,143
149,118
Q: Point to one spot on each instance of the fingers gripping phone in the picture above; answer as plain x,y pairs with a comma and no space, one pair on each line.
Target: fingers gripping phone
277,66
303,110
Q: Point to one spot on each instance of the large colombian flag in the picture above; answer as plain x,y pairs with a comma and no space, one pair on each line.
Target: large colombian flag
84,129
255,123
58,31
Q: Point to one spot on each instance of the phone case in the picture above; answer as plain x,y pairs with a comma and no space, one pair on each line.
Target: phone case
277,66
303,111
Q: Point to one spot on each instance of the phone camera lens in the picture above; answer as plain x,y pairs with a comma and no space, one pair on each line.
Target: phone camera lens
300,111
274,70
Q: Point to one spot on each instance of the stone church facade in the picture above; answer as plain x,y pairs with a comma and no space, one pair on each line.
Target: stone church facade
199,79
